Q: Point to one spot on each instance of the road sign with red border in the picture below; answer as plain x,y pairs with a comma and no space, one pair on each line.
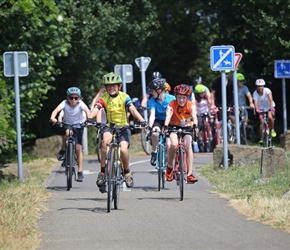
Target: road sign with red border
238,57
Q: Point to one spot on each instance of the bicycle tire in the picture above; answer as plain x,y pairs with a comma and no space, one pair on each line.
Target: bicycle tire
208,141
117,184
70,167
181,172
145,144
265,139
160,165
163,169
201,145
110,181
98,145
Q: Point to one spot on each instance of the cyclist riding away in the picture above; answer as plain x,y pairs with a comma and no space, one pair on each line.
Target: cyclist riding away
115,103
157,104
180,113
72,108
263,99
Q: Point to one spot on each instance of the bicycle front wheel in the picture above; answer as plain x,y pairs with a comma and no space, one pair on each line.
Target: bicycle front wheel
181,172
244,134
69,168
117,184
145,144
111,179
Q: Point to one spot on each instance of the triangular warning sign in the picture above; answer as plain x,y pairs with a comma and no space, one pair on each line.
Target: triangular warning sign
238,57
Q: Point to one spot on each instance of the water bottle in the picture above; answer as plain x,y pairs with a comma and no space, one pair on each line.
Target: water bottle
195,147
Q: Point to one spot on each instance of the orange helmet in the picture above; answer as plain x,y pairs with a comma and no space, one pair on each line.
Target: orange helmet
167,87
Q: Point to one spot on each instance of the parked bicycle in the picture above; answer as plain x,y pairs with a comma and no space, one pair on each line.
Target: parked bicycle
180,166
161,160
70,162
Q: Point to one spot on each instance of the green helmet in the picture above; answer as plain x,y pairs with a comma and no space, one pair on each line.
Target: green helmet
240,77
199,88
112,78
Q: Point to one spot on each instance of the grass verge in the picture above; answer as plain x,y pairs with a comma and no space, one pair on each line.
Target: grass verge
263,200
21,206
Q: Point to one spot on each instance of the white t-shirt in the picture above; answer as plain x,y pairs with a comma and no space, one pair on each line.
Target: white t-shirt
201,106
263,100
72,114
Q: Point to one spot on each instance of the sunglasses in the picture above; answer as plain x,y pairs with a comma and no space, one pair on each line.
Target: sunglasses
73,98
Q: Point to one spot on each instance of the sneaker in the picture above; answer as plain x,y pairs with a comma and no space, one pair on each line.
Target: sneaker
191,179
101,180
273,133
169,174
80,177
153,159
60,155
261,141
129,180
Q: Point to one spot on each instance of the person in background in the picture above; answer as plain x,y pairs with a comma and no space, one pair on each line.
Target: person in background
157,104
263,101
180,113
244,94
73,108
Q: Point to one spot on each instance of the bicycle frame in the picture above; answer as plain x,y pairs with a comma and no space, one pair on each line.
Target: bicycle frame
267,138
206,144
161,160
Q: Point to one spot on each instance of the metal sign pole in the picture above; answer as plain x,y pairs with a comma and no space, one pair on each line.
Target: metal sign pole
18,121
284,104
124,78
236,103
224,112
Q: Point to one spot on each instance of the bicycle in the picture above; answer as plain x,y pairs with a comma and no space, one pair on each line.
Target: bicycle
205,139
244,124
70,153
114,176
230,128
180,167
161,160
266,133
216,129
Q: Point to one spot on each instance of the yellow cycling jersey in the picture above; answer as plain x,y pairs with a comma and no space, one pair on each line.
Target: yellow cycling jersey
115,107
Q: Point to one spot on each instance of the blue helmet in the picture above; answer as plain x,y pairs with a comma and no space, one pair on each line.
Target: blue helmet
73,90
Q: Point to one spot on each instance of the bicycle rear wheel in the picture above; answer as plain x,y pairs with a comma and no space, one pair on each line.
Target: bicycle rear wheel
69,168
110,181
145,144
181,172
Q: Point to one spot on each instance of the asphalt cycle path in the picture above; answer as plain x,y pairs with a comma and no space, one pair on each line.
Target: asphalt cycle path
146,218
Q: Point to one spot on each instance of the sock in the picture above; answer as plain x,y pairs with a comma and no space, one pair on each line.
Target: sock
126,171
103,169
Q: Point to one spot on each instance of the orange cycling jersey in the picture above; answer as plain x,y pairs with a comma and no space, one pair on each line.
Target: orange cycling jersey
180,116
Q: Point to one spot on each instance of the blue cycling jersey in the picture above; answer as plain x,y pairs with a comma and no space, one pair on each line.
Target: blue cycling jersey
160,108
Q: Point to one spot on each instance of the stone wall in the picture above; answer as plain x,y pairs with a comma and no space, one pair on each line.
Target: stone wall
45,147
285,141
269,159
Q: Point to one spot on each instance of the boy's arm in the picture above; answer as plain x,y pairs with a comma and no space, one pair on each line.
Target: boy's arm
193,114
54,113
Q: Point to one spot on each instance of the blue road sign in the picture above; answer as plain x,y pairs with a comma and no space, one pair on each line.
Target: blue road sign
282,69
222,58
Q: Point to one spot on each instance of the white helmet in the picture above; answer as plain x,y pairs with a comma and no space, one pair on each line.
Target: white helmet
260,82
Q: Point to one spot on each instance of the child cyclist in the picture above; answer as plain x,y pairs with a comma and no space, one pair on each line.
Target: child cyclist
180,113
157,104
72,108
115,103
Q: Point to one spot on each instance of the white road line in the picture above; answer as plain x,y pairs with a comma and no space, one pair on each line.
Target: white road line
137,162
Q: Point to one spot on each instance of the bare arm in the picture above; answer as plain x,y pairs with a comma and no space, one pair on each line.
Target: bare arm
270,99
135,113
144,101
251,100
54,113
168,117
